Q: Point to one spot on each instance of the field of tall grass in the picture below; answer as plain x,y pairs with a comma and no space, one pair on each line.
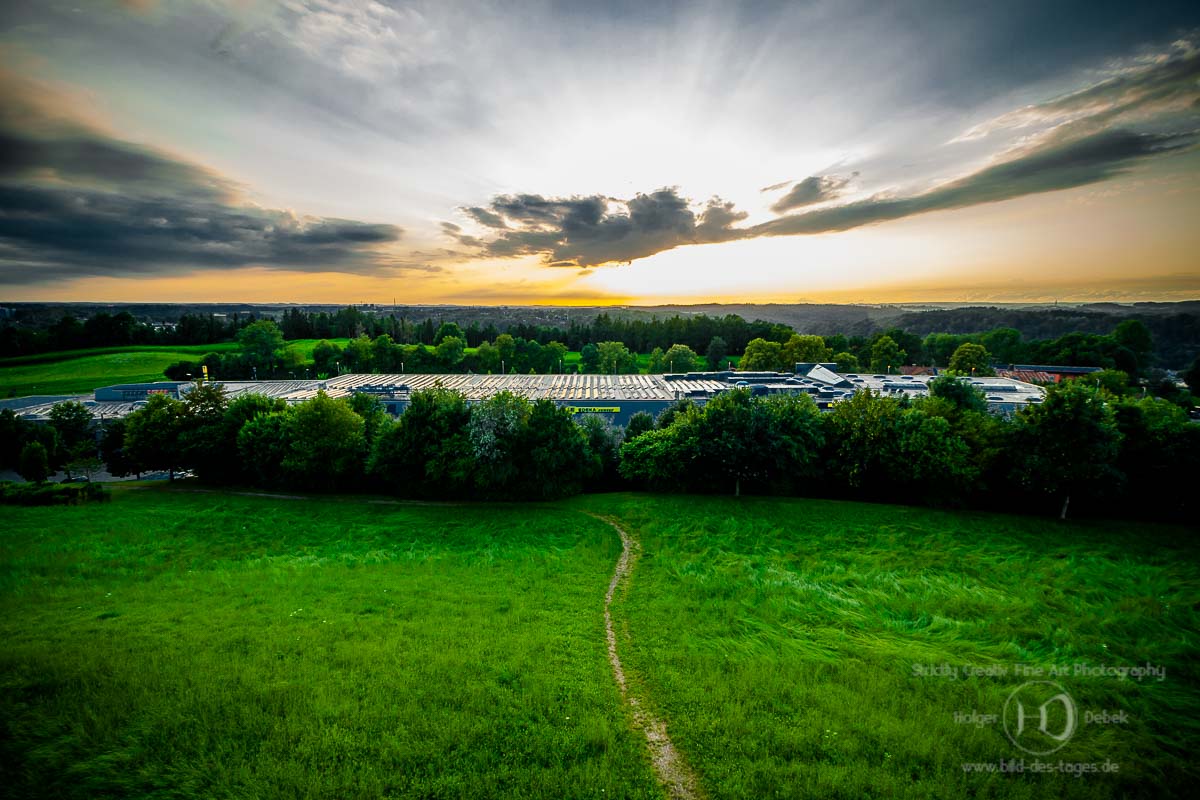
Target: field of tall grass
175,643
822,649
81,371
207,645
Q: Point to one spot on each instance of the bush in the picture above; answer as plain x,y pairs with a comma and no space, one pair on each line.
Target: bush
52,494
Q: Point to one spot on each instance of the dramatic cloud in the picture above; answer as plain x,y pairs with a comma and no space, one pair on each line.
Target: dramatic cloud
1169,83
1046,167
589,231
1088,136
75,201
583,232
814,189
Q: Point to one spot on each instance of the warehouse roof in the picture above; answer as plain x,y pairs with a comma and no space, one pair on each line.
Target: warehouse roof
819,381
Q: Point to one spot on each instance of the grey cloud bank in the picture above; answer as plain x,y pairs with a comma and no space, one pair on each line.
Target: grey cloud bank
75,202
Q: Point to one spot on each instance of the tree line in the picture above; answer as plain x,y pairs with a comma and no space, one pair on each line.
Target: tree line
1084,448
265,353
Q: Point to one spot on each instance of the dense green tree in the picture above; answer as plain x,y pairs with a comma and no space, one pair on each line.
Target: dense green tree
882,448
554,355
717,352
667,416
847,363
34,463
1133,335
112,450
589,358
735,441
326,443
639,423
762,356
558,458
152,435
358,355
910,344
729,440
1003,343
958,392
73,422
886,355
1067,445
450,351
663,459
14,433
804,348
1159,458
1113,381
506,347
971,359
447,330
496,431
603,448
375,416
616,359
386,355
940,347
262,344
326,357
788,438
681,358
202,432
222,439
262,444
658,362
428,452
487,356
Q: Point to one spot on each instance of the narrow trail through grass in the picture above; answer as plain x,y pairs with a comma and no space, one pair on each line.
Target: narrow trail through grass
673,773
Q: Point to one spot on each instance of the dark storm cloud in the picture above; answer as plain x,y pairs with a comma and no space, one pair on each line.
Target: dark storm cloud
587,231
813,189
59,232
75,201
1049,167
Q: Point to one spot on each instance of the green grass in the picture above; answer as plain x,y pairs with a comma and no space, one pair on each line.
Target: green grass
82,374
81,371
194,350
176,644
204,645
780,639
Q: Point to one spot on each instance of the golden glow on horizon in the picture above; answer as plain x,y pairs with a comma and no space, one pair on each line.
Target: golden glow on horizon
1130,241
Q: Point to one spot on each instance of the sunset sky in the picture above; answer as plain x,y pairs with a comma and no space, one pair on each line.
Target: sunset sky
598,152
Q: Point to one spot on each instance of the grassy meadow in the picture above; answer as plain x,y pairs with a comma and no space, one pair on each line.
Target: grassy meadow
82,371
186,644
206,645
787,642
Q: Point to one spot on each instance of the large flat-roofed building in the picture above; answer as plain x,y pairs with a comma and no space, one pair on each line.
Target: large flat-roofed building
615,397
